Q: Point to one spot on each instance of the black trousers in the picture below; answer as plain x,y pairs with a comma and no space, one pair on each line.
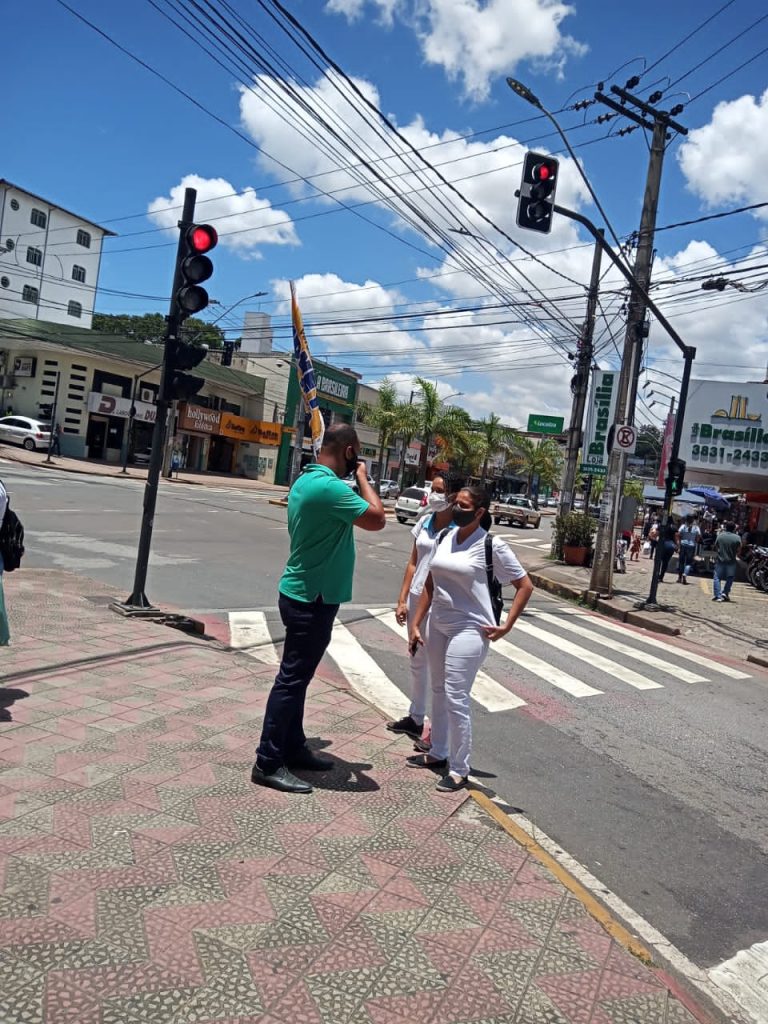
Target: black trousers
308,629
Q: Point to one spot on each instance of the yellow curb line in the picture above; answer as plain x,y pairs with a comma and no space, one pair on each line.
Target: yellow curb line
593,906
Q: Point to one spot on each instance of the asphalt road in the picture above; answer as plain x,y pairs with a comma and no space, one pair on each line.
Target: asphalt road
653,780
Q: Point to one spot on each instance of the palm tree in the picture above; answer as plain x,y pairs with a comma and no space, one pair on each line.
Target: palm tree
437,420
492,437
390,416
543,459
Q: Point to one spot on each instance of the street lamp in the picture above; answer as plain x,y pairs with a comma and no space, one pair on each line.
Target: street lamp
132,414
256,295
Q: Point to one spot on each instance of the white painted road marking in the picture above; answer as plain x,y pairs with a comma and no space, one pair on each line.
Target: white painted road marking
678,652
249,631
615,645
562,680
364,674
597,661
488,693
745,976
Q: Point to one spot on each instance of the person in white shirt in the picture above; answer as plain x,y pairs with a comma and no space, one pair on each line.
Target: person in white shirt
427,528
461,623
688,536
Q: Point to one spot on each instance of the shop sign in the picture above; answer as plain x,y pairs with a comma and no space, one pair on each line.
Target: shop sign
726,428
600,414
338,389
116,405
255,431
412,457
24,366
198,419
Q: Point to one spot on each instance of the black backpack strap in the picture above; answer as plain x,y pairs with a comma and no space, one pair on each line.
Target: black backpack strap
489,560
442,535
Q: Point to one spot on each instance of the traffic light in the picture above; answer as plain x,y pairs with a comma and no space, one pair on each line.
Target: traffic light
226,355
182,356
676,476
537,192
194,267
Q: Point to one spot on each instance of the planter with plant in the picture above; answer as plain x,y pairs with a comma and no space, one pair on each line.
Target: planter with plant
574,535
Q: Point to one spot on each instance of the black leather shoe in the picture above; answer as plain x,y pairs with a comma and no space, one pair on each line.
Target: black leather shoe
280,779
306,761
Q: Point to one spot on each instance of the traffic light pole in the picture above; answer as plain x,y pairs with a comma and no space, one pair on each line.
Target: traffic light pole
581,386
652,600
138,600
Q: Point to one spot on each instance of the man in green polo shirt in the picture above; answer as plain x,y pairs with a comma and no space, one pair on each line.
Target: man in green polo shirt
318,577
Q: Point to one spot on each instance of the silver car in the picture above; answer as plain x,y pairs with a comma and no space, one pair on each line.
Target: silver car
412,503
30,434
388,489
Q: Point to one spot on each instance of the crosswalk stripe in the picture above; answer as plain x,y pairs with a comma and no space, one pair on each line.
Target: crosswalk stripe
248,631
597,661
364,674
615,645
542,669
677,652
485,691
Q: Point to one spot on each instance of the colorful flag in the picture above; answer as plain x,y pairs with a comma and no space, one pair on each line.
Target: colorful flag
306,376
666,449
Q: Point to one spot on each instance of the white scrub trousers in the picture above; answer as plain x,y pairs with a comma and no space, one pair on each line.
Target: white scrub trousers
419,666
455,656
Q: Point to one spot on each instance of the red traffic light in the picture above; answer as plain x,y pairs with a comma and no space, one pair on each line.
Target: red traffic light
202,238
545,172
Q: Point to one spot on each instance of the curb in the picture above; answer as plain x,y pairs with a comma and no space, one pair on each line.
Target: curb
758,659
618,932
610,609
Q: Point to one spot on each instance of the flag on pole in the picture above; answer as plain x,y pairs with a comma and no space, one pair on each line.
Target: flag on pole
306,376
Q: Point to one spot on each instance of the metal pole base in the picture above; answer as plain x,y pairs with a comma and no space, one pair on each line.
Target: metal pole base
135,605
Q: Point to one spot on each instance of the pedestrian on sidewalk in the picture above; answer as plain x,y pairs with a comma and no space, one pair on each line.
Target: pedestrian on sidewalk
727,550
688,536
634,550
56,445
5,635
668,541
457,597
439,518
318,577
653,536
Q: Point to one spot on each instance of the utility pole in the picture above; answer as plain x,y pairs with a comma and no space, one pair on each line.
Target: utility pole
52,433
580,388
636,329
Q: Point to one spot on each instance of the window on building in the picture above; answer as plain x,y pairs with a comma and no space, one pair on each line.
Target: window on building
10,245
38,218
14,204
34,255
74,308
78,274
29,294
5,282
84,238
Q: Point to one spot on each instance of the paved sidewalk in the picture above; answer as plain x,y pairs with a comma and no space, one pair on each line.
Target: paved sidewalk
145,880
737,630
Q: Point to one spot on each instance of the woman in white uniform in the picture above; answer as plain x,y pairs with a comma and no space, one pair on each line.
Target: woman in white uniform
427,528
461,625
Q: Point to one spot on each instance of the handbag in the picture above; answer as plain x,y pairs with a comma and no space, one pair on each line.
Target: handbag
497,599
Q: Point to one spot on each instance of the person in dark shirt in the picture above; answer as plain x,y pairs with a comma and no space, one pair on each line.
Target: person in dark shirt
727,550
668,541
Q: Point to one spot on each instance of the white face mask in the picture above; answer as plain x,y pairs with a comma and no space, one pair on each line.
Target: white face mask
437,502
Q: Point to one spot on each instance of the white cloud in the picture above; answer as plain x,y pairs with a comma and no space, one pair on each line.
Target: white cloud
478,40
725,160
243,220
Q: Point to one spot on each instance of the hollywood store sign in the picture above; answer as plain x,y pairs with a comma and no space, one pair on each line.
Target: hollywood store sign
726,428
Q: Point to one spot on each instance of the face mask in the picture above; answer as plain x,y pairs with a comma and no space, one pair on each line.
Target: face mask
437,502
351,464
463,516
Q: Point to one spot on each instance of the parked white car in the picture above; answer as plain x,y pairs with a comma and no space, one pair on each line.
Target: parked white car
412,503
30,434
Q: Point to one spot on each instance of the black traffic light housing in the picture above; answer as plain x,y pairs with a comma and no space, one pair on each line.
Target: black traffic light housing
227,353
536,201
182,356
192,269
676,476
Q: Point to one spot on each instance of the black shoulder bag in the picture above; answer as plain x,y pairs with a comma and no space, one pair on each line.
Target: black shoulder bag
497,599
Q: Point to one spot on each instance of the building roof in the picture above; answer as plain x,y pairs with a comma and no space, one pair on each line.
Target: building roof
50,202
119,347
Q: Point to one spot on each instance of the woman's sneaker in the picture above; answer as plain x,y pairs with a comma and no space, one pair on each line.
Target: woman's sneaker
407,726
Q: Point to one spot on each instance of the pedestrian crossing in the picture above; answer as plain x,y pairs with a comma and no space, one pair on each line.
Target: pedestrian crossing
553,654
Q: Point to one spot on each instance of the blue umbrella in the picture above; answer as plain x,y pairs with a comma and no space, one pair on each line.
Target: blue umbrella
712,497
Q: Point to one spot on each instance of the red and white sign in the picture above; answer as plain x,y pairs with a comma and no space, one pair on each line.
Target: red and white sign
666,449
625,439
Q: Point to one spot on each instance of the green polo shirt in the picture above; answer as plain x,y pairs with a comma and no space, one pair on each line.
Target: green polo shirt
321,511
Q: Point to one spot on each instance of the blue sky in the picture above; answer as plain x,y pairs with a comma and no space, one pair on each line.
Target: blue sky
95,132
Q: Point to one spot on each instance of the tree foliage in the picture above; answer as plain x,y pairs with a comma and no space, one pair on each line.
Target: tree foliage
151,327
391,417
533,458
436,420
